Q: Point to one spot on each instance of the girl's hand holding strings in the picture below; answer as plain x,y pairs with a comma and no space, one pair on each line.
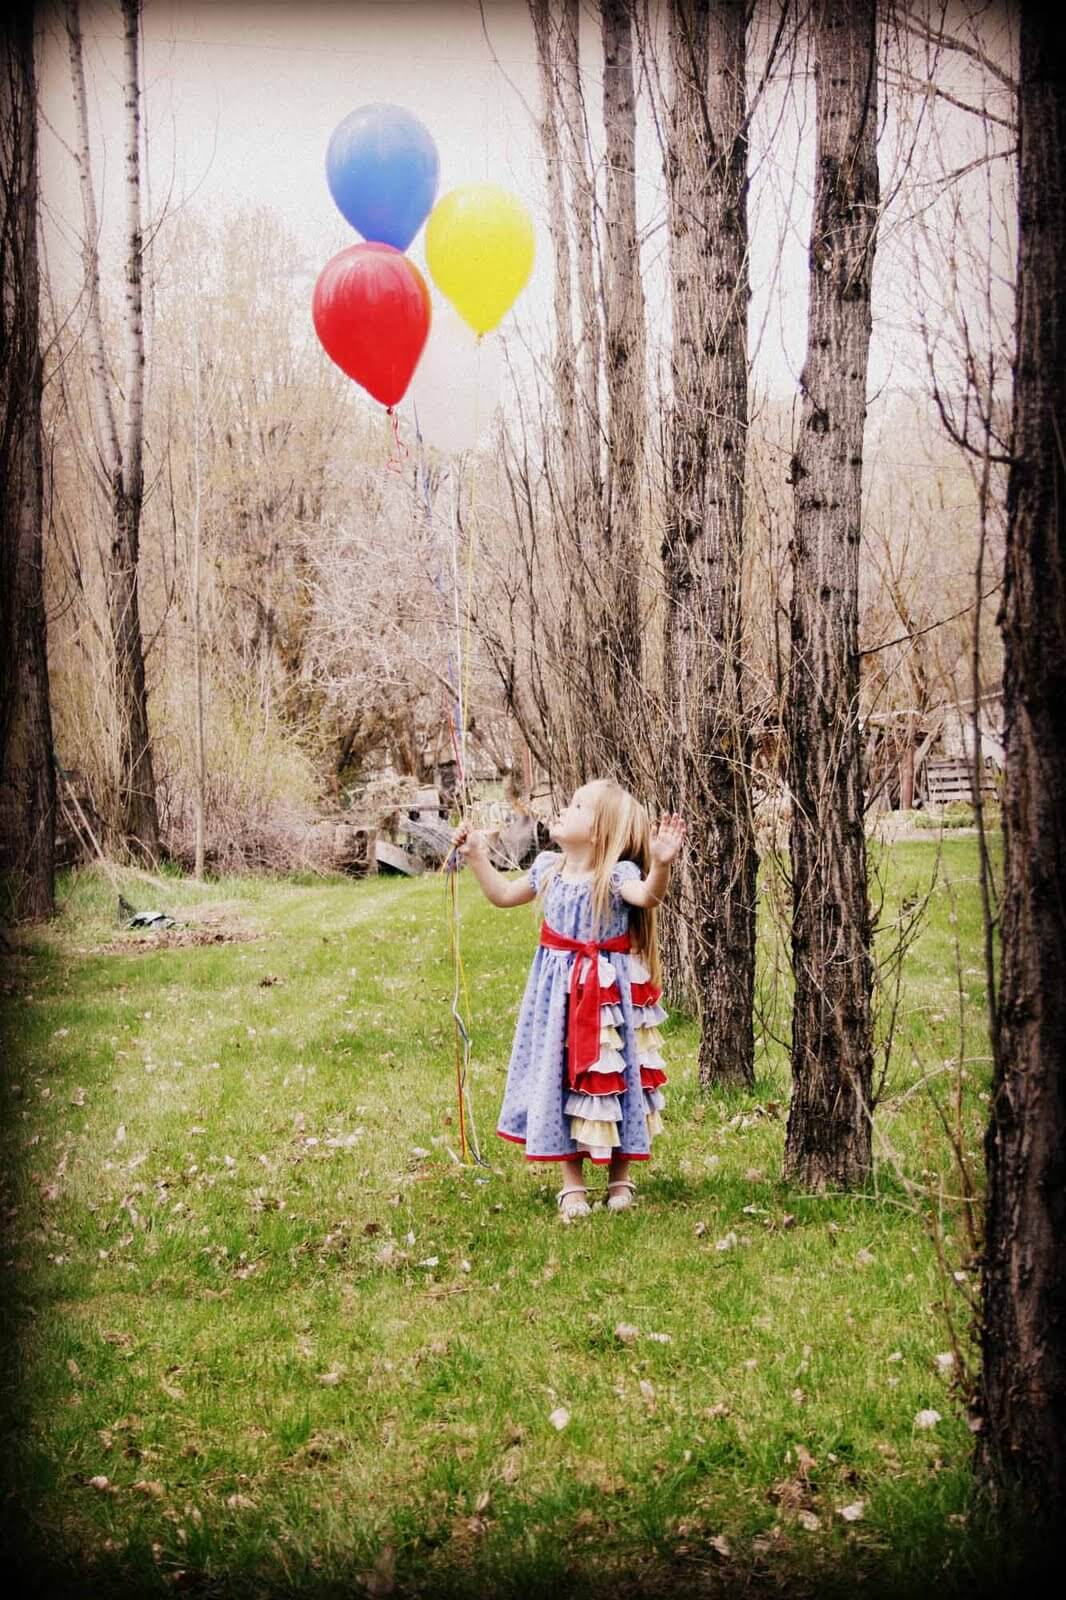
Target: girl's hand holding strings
469,842
667,838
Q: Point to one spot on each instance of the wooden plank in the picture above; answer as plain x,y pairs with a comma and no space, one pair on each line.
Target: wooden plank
393,859
952,780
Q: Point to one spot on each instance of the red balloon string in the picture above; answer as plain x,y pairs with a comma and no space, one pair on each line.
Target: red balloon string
398,452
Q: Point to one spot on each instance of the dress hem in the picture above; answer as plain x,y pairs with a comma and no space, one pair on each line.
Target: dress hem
578,1155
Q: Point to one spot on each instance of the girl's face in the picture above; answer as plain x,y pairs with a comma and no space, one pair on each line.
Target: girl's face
574,824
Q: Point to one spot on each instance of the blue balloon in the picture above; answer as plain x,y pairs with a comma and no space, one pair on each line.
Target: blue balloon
383,169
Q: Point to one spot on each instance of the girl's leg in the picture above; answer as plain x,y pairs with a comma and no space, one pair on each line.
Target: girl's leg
619,1186
575,1204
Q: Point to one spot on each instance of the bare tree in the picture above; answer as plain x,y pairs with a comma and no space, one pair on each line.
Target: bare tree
706,166
828,1140
1023,1445
121,451
562,613
623,302
27,774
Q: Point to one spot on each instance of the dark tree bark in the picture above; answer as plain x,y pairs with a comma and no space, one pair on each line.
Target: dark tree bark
27,774
709,759
828,1141
1022,1447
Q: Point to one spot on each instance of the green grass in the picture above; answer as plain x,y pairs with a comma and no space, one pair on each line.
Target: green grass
223,1195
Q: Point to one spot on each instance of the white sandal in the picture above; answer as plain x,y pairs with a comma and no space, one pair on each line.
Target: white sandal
620,1202
580,1208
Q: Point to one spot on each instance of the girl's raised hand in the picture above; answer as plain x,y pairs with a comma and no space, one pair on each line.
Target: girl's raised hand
667,838
468,841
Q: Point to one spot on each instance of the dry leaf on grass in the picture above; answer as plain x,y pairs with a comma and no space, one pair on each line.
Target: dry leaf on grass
559,1418
788,1493
854,1512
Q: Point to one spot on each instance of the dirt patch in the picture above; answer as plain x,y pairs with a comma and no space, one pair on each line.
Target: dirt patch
901,827
138,941
217,922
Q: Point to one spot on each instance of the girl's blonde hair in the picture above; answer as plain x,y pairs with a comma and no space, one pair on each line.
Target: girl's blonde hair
621,831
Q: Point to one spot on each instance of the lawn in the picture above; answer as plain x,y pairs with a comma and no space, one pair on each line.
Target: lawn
265,1334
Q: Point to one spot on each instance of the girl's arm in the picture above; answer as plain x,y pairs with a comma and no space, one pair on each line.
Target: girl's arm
501,891
666,841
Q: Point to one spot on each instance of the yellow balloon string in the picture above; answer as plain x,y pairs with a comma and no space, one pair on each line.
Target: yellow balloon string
460,989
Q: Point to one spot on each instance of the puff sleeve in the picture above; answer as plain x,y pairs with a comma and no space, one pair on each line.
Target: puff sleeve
546,859
624,872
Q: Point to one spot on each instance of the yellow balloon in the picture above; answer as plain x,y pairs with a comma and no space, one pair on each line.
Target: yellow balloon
479,250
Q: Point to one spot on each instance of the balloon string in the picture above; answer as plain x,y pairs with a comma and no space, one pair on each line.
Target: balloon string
398,451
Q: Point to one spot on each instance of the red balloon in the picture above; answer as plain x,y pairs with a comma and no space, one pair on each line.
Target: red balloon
371,310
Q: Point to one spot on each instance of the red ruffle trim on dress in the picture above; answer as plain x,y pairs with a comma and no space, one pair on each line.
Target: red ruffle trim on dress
646,994
652,1077
600,1083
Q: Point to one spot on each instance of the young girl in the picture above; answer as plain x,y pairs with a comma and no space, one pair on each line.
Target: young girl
585,1072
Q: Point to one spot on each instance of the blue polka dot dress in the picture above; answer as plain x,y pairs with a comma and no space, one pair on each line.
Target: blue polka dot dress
615,1105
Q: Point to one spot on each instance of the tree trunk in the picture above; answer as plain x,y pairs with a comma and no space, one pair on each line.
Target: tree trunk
828,1141
196,617
564,361
121,458
710,754
623,300
583,211
27,772
573,531
1023,1445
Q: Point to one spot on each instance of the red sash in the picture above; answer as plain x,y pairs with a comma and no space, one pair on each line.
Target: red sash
583,1044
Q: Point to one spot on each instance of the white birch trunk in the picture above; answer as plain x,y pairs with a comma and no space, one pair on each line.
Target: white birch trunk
138,821
105,430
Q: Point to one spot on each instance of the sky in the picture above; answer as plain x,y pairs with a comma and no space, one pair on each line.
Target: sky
241,96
